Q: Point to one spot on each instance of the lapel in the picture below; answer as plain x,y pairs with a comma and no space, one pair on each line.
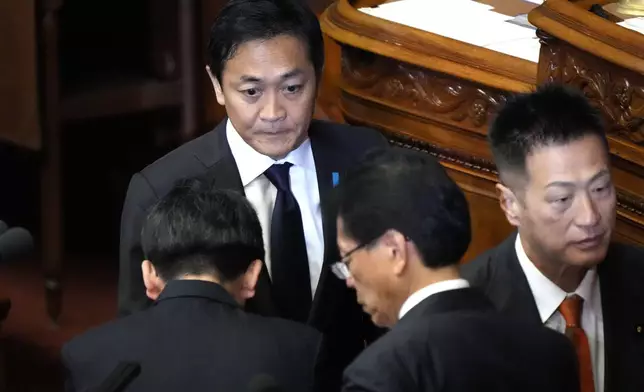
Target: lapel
509,289
621,307
623,313
611,322
328,166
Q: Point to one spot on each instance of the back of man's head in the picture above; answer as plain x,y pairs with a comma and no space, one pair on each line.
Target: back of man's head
202,232
409,192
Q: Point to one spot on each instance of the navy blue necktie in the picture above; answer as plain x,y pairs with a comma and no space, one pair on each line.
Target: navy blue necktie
291,284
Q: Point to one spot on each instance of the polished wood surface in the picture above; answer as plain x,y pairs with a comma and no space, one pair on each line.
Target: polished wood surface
438,95
19,111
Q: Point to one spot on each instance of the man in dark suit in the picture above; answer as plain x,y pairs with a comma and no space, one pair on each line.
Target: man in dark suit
203,253
266,61
561,269
403,226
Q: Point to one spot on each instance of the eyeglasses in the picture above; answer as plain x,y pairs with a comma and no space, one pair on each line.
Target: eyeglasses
341,268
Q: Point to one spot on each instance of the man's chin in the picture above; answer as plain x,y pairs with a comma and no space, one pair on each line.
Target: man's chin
588,259
276,150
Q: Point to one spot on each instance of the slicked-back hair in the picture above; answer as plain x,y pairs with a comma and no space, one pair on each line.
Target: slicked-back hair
198,230
410,192
241,21
552,115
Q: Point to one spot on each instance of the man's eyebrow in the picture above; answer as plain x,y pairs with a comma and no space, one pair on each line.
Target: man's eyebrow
569,184
291,74
249,79
284,76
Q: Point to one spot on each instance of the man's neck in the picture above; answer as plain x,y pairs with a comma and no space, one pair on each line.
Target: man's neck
203,277
428,276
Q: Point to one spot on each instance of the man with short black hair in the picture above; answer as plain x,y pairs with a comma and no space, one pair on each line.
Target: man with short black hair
204,253
266,60
560,269
403,226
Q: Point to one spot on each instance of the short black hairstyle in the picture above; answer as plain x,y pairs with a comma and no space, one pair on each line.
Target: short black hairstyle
410,192
554,114
241,21
196,229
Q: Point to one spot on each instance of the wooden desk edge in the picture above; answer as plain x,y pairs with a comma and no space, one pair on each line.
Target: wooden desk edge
587,31
343,23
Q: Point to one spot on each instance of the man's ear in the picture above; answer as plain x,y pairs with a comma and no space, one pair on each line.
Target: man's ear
396,245
154,285
249,279
219,92
509,204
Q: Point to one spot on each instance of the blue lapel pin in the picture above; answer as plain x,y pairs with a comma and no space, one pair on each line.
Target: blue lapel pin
335,178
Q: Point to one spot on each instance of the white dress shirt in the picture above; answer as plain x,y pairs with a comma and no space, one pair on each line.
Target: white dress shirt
420,295
548,296
261,193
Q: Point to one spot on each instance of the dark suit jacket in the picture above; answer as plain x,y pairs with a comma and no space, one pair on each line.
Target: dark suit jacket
621,281
195,338
454,341
335,147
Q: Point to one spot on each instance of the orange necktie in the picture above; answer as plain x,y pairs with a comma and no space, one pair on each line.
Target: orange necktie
570,308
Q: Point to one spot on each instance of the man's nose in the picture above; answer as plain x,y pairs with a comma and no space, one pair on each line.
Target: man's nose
588,215
273,110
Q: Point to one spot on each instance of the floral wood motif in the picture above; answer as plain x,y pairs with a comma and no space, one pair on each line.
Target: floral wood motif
630,203
619,98
420,91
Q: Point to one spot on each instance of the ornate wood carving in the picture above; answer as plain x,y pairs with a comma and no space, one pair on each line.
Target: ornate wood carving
620,98
420,91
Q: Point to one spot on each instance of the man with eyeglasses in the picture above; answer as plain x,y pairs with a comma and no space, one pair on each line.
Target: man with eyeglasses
403,226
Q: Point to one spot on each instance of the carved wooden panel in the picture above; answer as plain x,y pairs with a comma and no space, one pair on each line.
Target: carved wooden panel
617,92
417,90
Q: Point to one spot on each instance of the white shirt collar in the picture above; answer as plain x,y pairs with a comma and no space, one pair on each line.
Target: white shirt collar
251,164
420,295
547,295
